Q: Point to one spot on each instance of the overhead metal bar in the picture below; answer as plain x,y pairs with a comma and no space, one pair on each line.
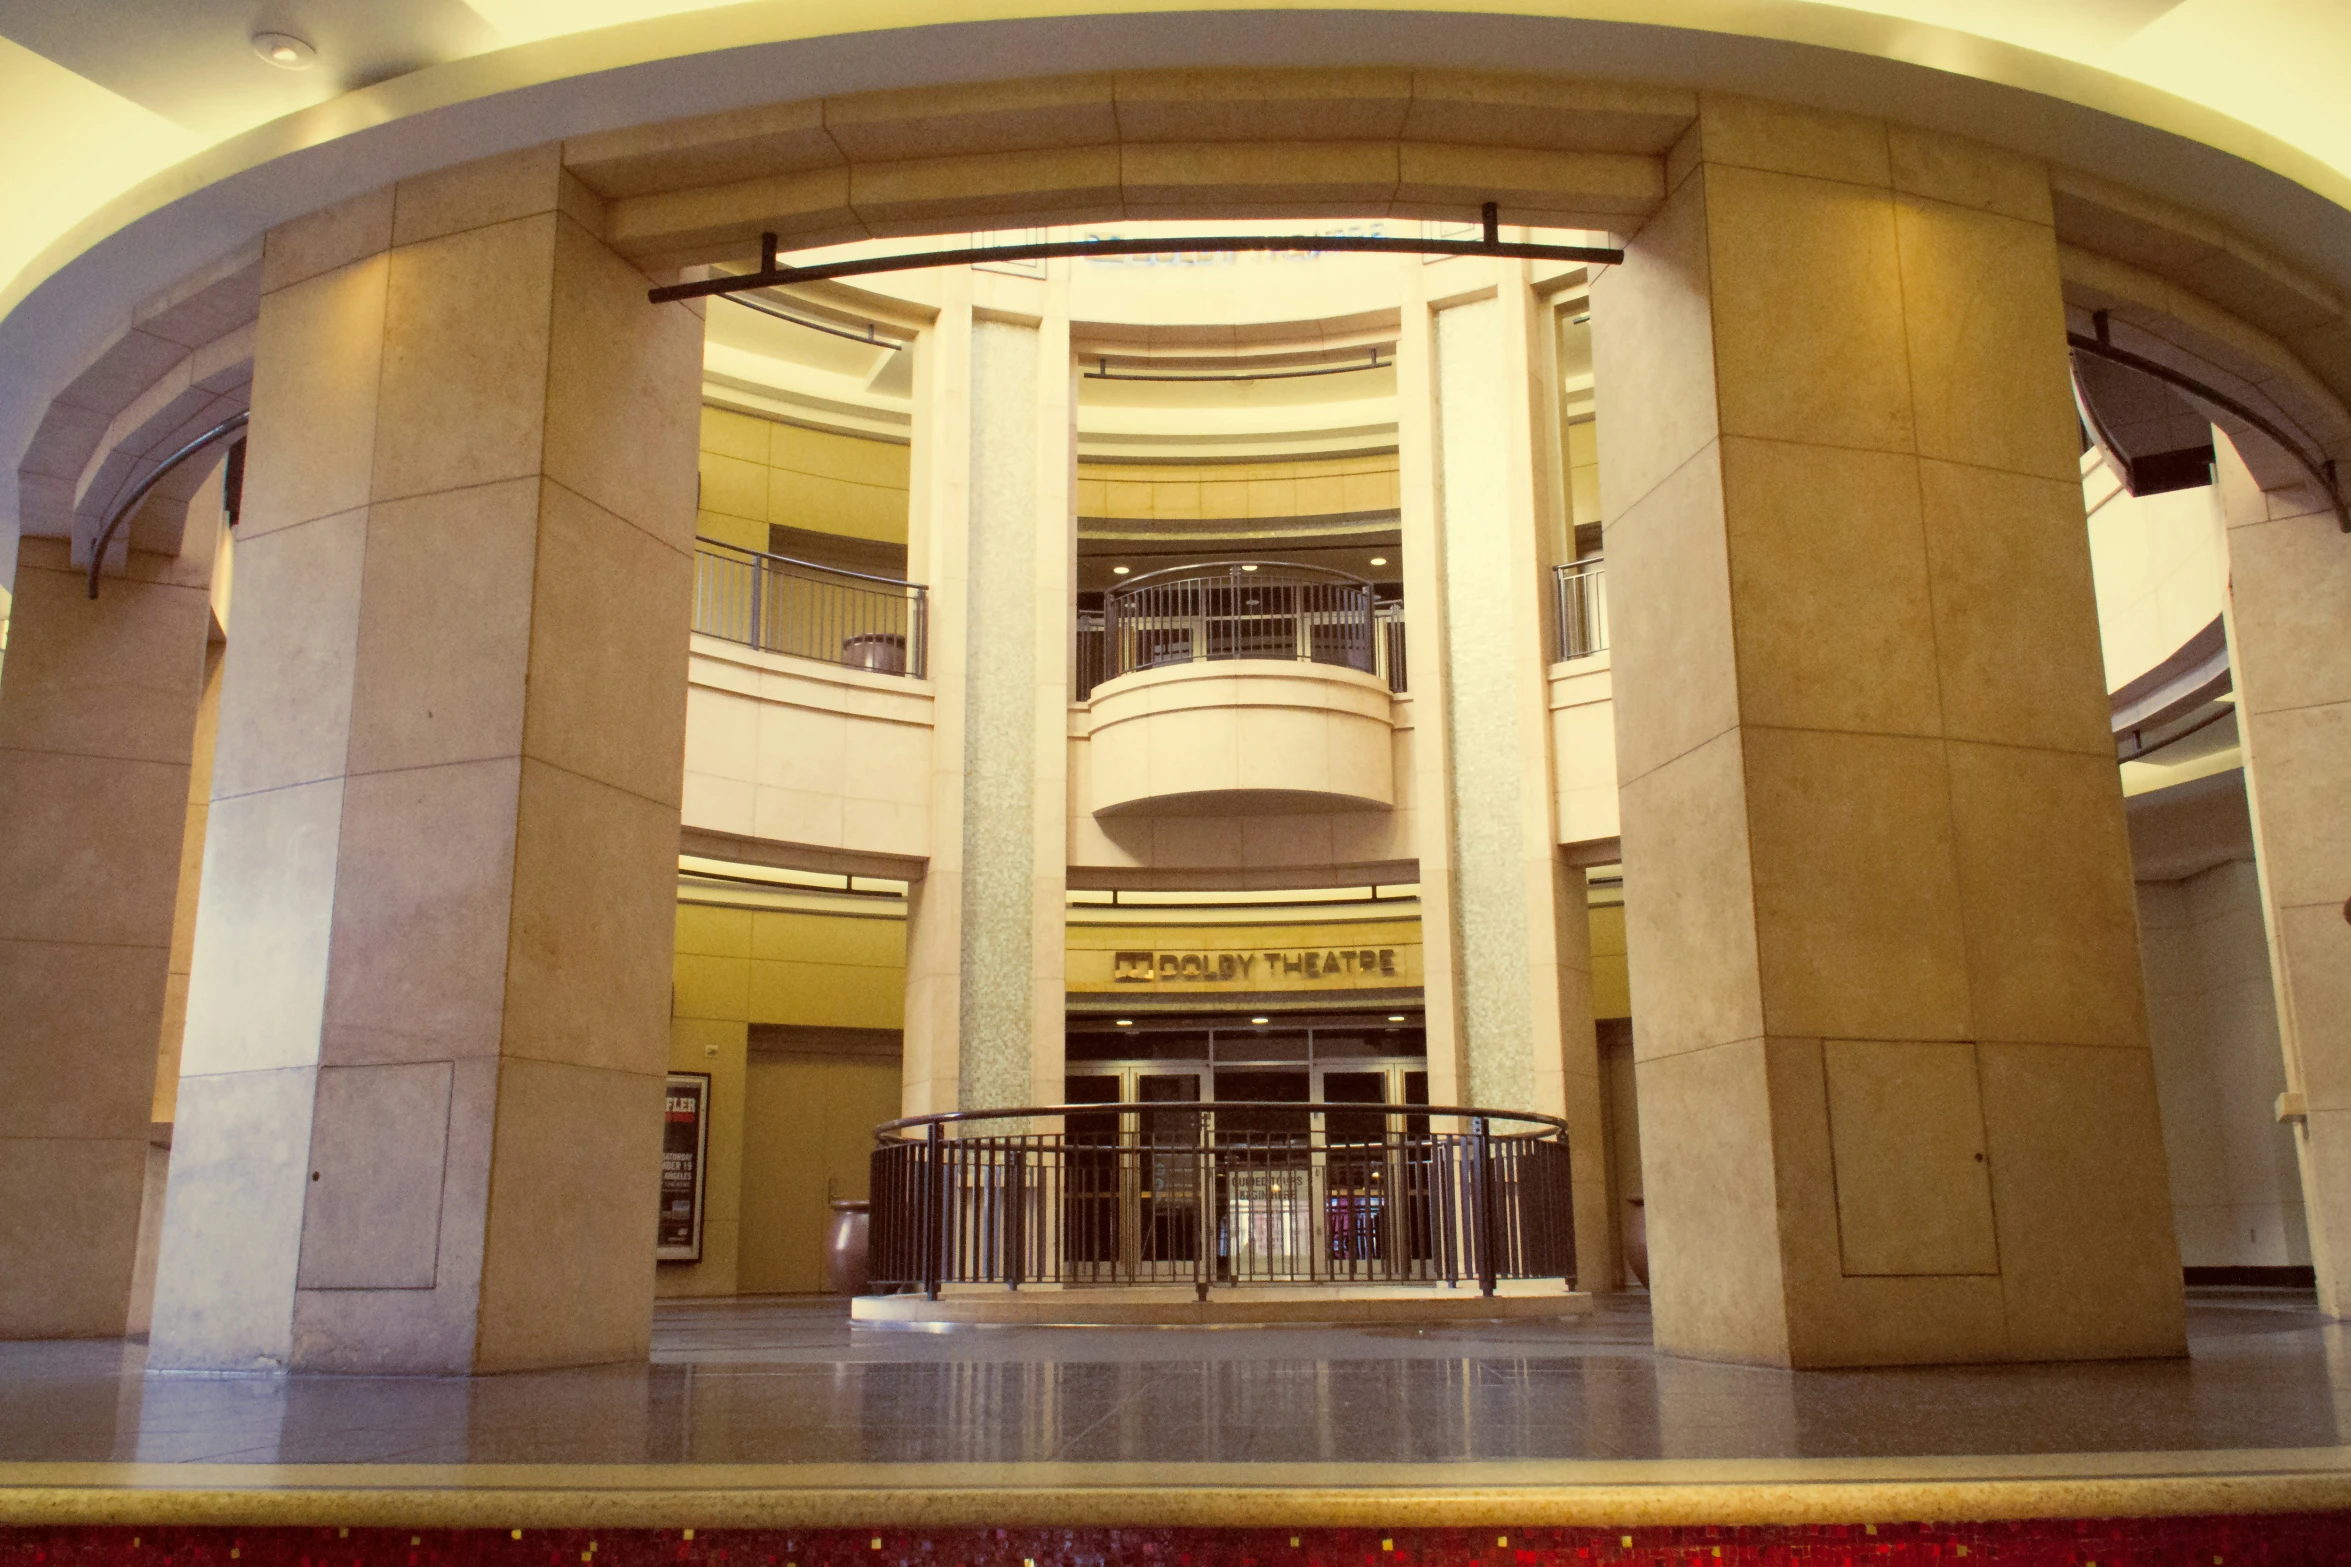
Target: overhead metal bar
2320,469
871,336
129,503
1288,373
772,272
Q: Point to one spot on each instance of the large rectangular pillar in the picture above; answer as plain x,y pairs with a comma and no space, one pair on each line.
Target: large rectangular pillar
993,528
1506,926
1896,1098
2289,600
97,725
419,1116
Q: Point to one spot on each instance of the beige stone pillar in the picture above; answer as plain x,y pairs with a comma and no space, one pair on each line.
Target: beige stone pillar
994,529
2289,604
1506,934
419,1115
97,723
1896,1098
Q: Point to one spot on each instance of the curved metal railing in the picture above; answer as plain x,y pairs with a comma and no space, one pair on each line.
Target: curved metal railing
1239,609
1220,1193
828,613
129,502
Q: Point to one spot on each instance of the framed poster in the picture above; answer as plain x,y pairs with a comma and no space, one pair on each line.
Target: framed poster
685,1156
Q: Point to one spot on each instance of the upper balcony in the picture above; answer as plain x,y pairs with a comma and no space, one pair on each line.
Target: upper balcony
1247,685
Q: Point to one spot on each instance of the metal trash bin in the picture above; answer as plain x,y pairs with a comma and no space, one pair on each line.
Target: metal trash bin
884,652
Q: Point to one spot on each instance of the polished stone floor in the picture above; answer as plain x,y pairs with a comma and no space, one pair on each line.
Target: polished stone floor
787,1381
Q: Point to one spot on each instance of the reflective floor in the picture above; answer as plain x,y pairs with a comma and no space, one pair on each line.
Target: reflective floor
786,1381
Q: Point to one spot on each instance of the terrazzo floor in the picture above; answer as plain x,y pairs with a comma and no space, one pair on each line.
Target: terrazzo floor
786,1381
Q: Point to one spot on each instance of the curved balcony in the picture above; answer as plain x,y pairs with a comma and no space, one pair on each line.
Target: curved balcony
1218,1195
1223,610
1244,687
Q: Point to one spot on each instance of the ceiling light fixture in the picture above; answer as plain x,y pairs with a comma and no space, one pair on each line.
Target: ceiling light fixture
1259,1020
1126,1022
1379,560
285,50
1248,565
1395,1017
1118,571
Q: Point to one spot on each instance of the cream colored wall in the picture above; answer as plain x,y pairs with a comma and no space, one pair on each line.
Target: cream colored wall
2160,570
796,751
1583,748
1583,471
2212,1015
1190,492
1612,990
736,966
1312,731
1275,848
761,471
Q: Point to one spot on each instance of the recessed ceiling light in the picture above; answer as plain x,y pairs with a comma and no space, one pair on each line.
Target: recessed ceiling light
1395,1017
1379,560
1126,1022
1118,571
1248,565
1258,1020
286,50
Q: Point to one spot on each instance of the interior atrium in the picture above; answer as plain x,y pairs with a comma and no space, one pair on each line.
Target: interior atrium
1240,770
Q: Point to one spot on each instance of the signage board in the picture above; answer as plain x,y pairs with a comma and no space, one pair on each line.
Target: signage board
685,1159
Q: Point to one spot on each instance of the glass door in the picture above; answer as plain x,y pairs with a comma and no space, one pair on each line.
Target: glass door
1167,1207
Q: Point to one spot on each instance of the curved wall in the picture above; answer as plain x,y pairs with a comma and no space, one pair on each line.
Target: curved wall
1242,736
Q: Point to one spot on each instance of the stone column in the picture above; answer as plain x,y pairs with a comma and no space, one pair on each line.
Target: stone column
97,724
995,479
2289,600
1896,1098
419,1117
1506,933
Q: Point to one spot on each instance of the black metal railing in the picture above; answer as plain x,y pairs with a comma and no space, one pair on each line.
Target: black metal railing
1236,609
810,611
1579,608
1219,1194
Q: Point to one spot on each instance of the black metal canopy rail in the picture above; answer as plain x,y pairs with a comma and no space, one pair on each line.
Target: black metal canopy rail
2320,468
773,272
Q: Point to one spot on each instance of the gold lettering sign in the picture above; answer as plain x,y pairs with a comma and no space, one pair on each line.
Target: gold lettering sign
1225,968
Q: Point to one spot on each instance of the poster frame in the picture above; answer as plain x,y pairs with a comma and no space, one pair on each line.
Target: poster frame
698,1083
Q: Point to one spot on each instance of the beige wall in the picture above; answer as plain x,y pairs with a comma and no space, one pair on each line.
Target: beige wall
2212,1017
796,751
813,1118
1192,492
780,1129
761,471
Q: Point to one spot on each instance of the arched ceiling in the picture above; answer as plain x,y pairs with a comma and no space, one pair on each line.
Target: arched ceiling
149,139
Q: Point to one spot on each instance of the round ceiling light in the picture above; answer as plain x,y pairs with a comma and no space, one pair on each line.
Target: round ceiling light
1248,566
1258,1020
1395,1017
1118,571
285,50
1379,560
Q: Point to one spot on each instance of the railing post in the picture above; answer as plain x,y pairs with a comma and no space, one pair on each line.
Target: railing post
1203,1205
758,637
1482,1188
1015,1212
934,1212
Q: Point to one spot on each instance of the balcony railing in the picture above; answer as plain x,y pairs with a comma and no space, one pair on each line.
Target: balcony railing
1579,608
810,611
1231,610
1220,1194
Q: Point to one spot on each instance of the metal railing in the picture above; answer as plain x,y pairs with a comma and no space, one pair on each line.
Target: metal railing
1235,609
1579,608
792,606
1220,1194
